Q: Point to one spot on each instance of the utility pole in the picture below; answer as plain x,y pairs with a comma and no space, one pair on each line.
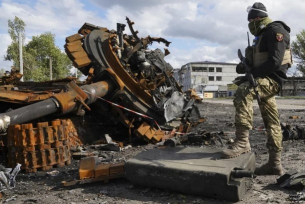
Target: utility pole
20,56
50,58
194,81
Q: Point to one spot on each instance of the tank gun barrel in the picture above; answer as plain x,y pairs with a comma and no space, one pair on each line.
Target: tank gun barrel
61,103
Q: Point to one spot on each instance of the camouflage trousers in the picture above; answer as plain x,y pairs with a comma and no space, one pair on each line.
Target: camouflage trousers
267,89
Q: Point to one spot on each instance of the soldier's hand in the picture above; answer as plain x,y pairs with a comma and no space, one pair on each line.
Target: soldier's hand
239,80
240,68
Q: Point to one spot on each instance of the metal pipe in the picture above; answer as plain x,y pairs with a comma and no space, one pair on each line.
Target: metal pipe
28,113
172,142
98,89
241,174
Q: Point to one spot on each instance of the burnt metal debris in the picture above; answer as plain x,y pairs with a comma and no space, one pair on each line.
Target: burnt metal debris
294,180
292,133
90,170
127,83
8,176
200,137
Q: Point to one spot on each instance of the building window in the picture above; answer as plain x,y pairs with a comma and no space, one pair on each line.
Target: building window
211,78
218,69
218,78
196,69
211,69
199,69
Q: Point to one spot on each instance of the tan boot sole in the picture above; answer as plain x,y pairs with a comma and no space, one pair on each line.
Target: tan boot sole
229,157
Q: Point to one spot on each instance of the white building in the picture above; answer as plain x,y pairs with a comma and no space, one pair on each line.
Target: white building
206,77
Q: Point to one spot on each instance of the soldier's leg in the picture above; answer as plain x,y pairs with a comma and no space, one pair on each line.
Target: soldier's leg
243,103
268,89
272,124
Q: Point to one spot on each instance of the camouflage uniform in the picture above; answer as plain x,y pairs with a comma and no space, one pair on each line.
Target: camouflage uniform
269,58
243,101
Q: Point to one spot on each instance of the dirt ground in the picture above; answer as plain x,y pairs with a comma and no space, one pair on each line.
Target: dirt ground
40,187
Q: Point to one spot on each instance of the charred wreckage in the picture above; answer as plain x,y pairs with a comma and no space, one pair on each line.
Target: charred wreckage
130,91
127,83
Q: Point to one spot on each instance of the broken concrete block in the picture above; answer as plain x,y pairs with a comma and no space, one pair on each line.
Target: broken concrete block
197,171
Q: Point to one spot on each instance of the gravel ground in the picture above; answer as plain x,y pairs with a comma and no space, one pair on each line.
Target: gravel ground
41,188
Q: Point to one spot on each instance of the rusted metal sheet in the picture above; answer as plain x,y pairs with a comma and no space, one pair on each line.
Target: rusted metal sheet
87,168
74,46
89,171
82,61
74,37
79,54
8,95
13,77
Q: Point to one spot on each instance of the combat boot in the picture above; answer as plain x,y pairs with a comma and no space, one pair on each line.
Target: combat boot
273,166
240,146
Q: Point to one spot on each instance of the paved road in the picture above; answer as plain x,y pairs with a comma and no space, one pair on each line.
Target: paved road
281,103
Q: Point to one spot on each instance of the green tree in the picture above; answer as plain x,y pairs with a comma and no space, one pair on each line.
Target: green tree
36,54
15,27
43,49
298,51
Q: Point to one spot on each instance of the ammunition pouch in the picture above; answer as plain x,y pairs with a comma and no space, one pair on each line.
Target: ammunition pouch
261,57
287,59
249,55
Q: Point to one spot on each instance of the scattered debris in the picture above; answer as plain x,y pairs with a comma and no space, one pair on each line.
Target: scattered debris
80,155
12,77
292,179
90,171
299,196
201,137
191,94
10,199
53,173
295,180
111,147
294,117
292,133
8,177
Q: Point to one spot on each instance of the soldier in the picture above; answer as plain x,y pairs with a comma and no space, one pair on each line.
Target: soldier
269,57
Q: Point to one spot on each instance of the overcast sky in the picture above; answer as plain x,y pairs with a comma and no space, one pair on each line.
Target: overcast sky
199,30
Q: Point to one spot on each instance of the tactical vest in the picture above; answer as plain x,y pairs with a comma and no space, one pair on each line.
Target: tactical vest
256,58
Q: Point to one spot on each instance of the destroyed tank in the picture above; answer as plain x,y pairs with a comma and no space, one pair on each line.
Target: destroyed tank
128,85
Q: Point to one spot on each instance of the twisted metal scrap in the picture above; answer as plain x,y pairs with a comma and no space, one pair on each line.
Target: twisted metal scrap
7,178
148,39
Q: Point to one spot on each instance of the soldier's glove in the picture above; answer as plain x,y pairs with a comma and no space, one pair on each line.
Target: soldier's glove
240,68
239,80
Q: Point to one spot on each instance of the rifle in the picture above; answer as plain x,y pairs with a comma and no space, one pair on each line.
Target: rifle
249,76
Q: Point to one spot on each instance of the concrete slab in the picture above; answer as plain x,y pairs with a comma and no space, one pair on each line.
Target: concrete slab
197,171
